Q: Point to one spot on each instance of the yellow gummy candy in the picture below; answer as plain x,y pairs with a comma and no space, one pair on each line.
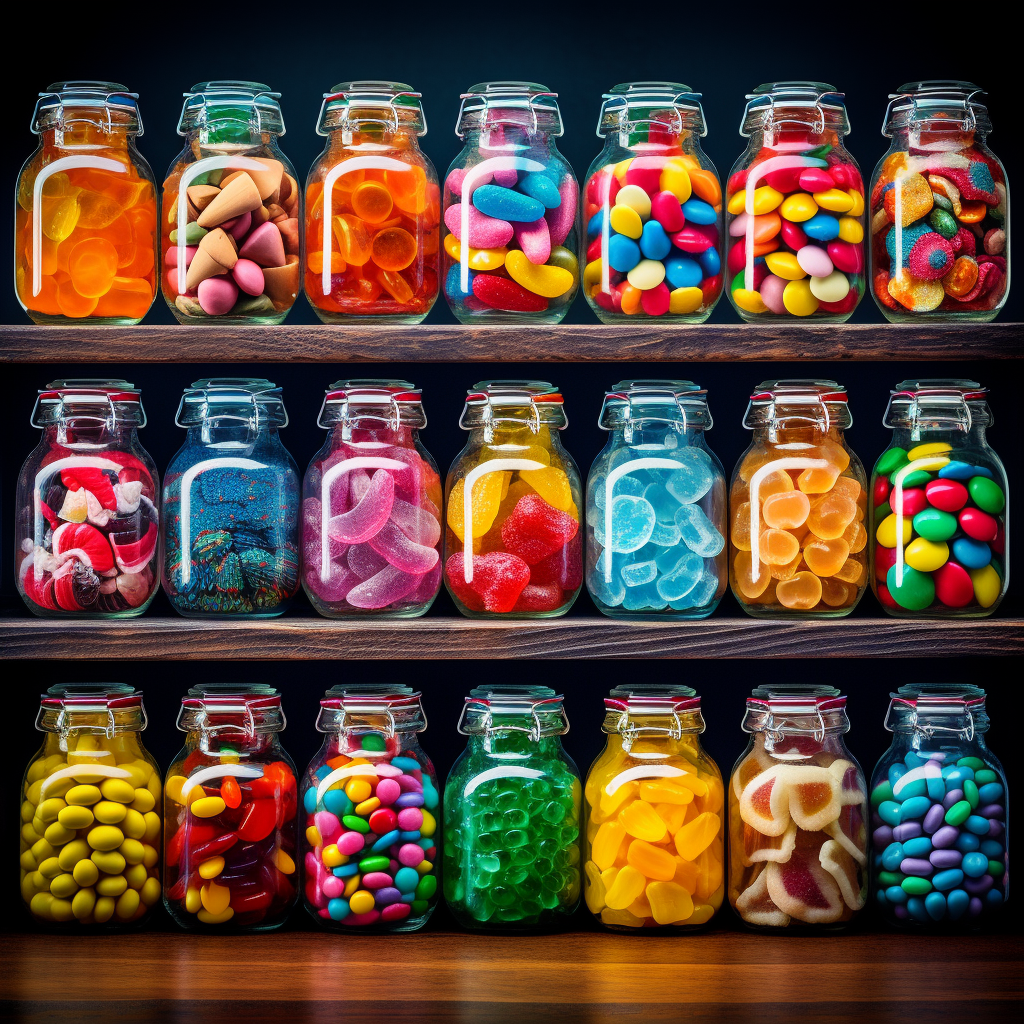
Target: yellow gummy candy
674,816
595,888
665,792
606,844
686,875
702,913
654,862
695,836
620,917
628,885
479,259
670,903
641,821
486,498
611,804
551,484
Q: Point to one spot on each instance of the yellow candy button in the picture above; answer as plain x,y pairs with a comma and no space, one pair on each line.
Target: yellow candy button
75,817
284,863
670,902
885,534
212,867
675,178
361,902
118,790
931,448
479,259
104,909
215,898
83,903
86,873
132,850
647,274
619,170
987,585
592,273
112,885
685,300
765,200
798,298
313,836
785,265
798,207
150,891
85,796
207,917
925,555
626,221
834,199
749,301
207,806
105,837
174,784
109,813
541,279
429,825
110,862
850,230
193,901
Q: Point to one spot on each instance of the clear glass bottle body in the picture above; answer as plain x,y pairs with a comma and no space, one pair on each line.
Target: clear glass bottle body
939,798
232,217
371,806
230,808
373,209
511,210
797,502
512,814
798,814
91,812
519,490
940,214
659,491
653,250
795,208
939,507
85,234
654,852
231,495
88,518
372,546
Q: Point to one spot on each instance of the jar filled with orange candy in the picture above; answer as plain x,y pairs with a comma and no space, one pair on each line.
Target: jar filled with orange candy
231,210
797,539
373,208
85,218
798,810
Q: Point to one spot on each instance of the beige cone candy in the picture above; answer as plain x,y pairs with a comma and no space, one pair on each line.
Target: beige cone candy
259,216
200,196
268,181
221,246
203,265
282,283
239,196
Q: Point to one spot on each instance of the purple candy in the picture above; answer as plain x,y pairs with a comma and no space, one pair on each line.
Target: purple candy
934,762
943,859
945,837
409,800
934,818
409,784
954,796
882,836
991,811
995,829
917,866
908,830
901,912
385,897
978,886
976,906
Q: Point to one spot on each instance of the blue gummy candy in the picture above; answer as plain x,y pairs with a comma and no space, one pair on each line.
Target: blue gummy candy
507,204
623,253
645,598
694,477
683,272
970,553
654,242
683,578
663,503
698,533
636,574
541,188
696,211
822,227
710,261
633,522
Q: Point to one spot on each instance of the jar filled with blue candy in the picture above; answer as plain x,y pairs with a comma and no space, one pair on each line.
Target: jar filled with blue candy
656,505
231,544
939,813
652,207
510,203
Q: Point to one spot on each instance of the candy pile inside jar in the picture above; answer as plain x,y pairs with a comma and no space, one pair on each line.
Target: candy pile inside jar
655,818
798,818
85,226
371,819
90,833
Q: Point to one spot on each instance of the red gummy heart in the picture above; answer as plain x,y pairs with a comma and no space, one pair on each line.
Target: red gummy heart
564,567
498,580
536,529
540,598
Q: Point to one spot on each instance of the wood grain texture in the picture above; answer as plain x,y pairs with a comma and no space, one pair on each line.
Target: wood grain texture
581,976
563,343
305,637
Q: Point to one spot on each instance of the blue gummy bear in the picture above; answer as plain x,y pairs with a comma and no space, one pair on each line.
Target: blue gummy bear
507,204
636,574
698,532
683,578
694,477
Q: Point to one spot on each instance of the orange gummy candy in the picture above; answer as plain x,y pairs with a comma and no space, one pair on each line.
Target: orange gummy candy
856,536
71,302
353,239
851,571
751,581
315,262
826,557
777,547
92,265
834,593
393,249
372,202
740,532
127,297
818,480
831,515
777,482
395,285
409,189
786,510
800,593
789,569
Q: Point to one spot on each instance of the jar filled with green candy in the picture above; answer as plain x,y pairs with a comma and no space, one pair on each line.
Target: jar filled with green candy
511,858
939,505
939,799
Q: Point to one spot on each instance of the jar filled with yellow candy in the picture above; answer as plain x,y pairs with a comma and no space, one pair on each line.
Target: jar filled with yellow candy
519,492
90,811
797,537
655,817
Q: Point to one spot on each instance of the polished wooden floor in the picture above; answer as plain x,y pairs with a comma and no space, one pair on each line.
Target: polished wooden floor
722,976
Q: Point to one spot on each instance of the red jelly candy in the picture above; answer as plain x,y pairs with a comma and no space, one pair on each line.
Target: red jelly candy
503,293
645,171
880,490
498,580
947,495
914,501
383,821
979,525
953,586
656,300
885,559
786,179
564,567
537,597
885,598
258,821
536,529
230,793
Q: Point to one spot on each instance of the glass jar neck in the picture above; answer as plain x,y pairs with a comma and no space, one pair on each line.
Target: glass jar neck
936,135
230,435
513,743
372,432
910,434
224,739
511,137
371,135
797,134
656,434
81,135
799,434
90,434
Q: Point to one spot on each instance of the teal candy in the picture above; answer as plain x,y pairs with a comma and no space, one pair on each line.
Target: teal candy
916,788
915,807
912,760
967,843
637,574
957,903
890,812
507,204
698,533
683,578
895,894
645,598
974,865
976,824
407,764
935,904
990,792
406,880
541,188
985,776
972,762
663,503
919,847
338,909
338,803
910,235
892,856
948,879
309,800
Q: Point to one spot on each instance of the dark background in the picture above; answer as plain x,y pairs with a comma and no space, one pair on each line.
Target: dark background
442,50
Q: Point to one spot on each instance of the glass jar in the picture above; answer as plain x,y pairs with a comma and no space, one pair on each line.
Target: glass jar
231,495
232,211
512,813
798,812
85,218
797,541
373,207
231,809
939,505
515,198
371,807
654,854
796,208
940,245
87,521
939,798
519,490
90,811
371,506
659,492
653,208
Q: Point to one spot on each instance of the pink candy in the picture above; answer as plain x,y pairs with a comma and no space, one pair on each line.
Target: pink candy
264,246
217,295
772,288
410,854
248,276
377,880
484,232
816,179
332,887
351,842
410,819
534,239
562,217
328,825
665,209
388,791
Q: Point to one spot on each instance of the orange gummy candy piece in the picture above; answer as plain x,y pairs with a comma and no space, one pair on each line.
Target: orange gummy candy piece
409,189
71,302
856,536
851,571
750,581
395,285
819,480
849,486
353,239
800,593
777,482
92,265
128,297
740,532
834,593
788,570
393,249
831,515
315,262
778,547
826,557
752,462
372,202
786,510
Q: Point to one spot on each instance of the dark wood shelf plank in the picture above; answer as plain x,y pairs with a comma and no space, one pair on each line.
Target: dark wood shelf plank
298,637
720,976
648,342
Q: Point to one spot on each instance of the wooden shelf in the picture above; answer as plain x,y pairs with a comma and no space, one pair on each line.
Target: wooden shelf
719,976
646,342
308,637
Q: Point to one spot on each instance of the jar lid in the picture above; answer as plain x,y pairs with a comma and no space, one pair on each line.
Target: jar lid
111,401
668,401
781,709
652,699
245,399
937,101
385,400
925,706
89,699
226,105
816,105
393,105
510,700
487,400
944,402
401,706
826,401
256,704
526,104
105,105
671,105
